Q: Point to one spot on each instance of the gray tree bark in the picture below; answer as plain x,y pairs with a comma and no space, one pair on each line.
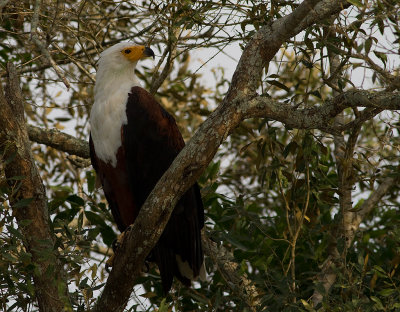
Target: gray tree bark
28,200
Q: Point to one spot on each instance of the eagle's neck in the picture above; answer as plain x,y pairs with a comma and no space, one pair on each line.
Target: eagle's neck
108,113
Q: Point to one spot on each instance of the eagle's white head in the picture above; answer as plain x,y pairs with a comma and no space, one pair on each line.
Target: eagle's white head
119,62
114,79
123,55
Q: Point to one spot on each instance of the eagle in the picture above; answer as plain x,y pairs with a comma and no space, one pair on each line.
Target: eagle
133,141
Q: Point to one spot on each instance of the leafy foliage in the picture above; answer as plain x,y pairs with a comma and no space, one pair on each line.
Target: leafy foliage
272,195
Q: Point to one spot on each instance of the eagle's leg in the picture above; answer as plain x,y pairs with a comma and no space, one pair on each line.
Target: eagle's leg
116,244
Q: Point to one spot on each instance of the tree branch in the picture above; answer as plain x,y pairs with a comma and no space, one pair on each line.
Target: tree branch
59,140
28,200
158,79
42,48
371,203
318,117
327,276
227,266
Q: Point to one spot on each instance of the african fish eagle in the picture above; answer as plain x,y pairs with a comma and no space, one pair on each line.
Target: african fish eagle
133,141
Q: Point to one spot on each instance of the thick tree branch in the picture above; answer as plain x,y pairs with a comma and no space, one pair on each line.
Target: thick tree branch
28,200
318,117
59,140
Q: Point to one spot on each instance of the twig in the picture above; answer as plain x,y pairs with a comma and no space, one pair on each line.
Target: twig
40,45
171,50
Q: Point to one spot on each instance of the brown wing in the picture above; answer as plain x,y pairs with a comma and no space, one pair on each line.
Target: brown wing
152,141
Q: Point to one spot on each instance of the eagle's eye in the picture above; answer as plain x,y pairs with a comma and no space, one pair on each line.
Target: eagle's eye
127,51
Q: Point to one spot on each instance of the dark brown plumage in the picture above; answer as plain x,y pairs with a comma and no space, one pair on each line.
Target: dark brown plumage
150,142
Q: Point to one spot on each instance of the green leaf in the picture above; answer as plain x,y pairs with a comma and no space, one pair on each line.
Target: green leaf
309,44
356,3
62,119
93,233
83,283
14,232
367,45
67,214
91,180
381,56
290,148
198,298
213,170
108,235
307,305
387,292
278,84
235,241
75,200
25,222
316,94
17,178
379,269
378,302
94,218
163,306
80,221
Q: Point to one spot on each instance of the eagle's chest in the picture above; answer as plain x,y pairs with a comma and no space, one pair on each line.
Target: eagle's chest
107,117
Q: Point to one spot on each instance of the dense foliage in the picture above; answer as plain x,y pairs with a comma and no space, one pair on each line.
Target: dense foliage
274,195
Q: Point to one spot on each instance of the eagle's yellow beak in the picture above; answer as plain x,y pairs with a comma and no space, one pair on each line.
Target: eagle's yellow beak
135,53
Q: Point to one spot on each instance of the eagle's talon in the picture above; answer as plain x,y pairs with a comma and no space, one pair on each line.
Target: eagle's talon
117,243
126,231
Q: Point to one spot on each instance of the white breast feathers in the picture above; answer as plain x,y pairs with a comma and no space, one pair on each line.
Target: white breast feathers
114,80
